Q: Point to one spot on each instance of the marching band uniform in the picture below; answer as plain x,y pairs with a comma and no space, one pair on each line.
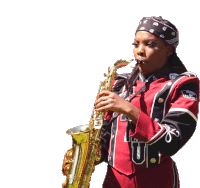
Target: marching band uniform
139,155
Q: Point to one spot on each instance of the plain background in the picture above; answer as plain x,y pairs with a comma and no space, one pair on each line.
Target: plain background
52,58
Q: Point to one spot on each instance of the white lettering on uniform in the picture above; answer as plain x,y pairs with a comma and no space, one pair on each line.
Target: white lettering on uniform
189,94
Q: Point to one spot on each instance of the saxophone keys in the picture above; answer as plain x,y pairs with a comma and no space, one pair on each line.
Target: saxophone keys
69,154
109,69
65,169
107,75
64,184
67,161
98,157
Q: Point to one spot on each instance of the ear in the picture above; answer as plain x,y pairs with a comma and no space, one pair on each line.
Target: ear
169,50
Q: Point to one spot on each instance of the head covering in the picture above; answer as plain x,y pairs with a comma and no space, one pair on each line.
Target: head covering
161,28
169,33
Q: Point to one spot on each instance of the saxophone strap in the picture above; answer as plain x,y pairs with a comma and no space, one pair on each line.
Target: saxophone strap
115,115
147,82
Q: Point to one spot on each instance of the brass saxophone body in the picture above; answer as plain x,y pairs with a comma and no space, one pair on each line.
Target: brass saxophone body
79,162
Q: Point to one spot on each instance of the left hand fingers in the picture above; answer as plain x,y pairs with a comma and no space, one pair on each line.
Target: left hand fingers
103,96
105,93
103,102
105,108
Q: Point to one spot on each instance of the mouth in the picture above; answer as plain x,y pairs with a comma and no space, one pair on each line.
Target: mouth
139,62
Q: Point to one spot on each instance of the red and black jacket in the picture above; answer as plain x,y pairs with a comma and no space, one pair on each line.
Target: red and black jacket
168,118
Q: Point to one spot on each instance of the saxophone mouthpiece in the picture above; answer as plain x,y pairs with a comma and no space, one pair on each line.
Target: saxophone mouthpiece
138,62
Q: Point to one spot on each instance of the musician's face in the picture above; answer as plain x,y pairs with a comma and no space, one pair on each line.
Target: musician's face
151,51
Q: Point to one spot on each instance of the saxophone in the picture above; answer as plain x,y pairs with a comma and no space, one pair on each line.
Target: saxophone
79,162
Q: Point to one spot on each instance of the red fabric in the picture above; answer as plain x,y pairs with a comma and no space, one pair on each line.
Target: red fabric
147,130
160,176
108,115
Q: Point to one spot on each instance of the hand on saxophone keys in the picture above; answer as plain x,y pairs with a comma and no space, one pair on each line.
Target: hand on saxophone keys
111,101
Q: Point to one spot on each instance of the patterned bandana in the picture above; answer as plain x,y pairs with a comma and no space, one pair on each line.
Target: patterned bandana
155,26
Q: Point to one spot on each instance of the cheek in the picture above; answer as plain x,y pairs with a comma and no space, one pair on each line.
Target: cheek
162,56
156,55
151,54
158,60
134,52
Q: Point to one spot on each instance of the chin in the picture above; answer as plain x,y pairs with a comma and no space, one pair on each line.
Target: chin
144,71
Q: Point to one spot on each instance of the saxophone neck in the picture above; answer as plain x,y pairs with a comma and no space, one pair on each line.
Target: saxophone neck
113,71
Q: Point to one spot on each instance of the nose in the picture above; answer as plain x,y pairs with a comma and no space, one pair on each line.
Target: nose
141,50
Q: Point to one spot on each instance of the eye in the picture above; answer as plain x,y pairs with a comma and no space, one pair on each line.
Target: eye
151,44
135,44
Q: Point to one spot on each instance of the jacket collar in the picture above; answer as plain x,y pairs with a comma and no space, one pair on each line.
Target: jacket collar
165,71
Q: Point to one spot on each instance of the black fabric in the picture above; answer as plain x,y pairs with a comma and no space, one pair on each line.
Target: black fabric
179,126
158,107
106,129
131,81
105,140
128,80
117,114
121,80
155,25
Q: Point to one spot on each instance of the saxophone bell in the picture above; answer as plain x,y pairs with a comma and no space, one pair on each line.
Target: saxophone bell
80,161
